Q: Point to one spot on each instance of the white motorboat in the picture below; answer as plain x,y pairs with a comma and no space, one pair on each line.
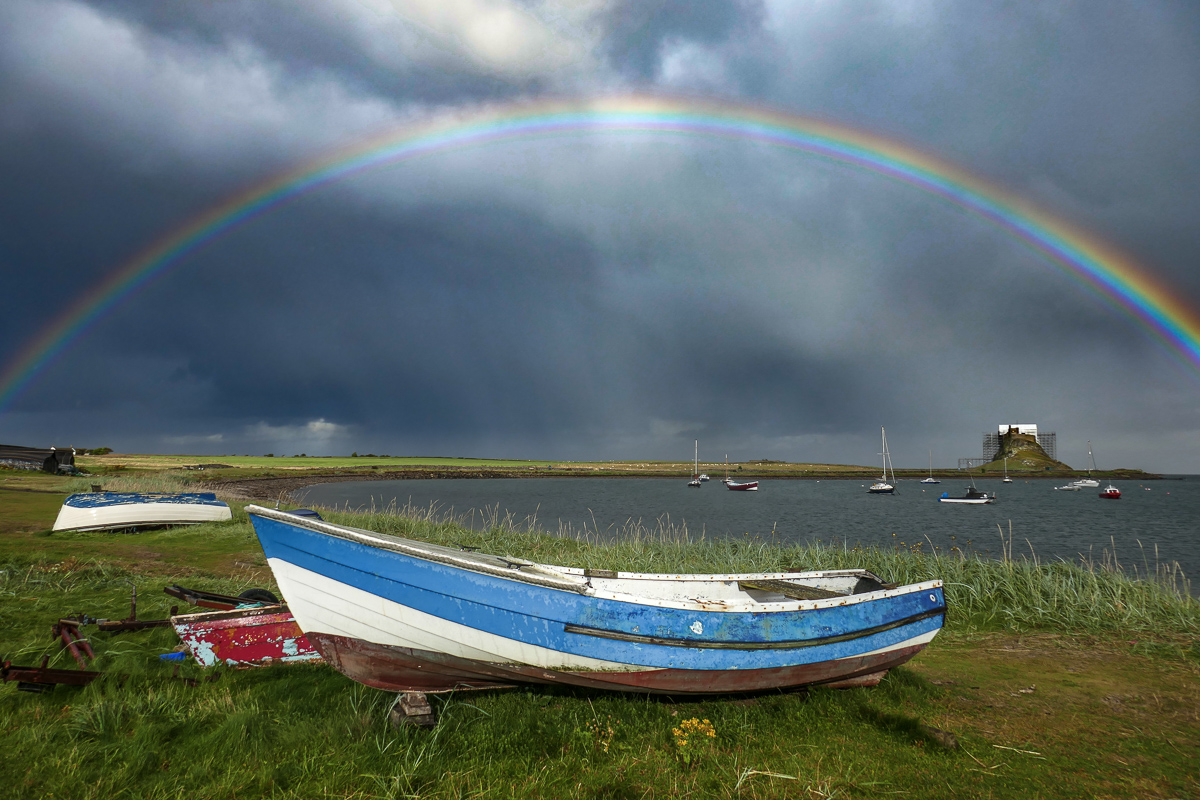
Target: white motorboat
973,497
100,511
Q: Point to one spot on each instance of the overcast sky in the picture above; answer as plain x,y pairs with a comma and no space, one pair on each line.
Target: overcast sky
609,297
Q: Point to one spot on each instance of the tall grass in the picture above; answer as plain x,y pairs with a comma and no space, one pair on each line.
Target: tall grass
145,482
1017,590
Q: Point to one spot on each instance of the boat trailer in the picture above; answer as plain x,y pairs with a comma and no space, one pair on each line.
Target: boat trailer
43,678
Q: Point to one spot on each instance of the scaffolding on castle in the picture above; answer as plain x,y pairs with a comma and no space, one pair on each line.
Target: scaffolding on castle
991,447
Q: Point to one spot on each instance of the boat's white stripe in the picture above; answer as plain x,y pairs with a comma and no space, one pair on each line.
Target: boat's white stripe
323,605
922,639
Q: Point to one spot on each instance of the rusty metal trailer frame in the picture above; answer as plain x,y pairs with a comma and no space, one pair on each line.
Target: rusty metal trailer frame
66,631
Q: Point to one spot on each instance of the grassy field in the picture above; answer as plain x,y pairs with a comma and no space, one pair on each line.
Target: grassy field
293,462
246,466
1050,680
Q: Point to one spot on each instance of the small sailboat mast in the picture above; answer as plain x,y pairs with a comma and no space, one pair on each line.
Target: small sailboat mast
695,481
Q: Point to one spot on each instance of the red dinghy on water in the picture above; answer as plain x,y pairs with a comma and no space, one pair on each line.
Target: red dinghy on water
1111,493
747,486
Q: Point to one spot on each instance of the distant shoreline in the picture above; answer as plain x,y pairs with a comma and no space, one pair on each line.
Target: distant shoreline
284,486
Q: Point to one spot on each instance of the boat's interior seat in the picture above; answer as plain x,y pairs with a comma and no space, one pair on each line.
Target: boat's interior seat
796,591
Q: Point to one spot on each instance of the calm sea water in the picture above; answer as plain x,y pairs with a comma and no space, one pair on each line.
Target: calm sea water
1153,520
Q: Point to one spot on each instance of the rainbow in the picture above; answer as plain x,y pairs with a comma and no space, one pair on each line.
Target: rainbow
1101,268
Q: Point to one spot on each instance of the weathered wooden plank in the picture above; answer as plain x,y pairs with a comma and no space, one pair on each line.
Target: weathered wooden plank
796,591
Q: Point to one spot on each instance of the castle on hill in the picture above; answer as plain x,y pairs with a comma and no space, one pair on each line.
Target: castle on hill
1022,443
1013,435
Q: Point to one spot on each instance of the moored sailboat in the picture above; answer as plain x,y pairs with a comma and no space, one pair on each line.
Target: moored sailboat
882,486
695,481
1089,482
930,479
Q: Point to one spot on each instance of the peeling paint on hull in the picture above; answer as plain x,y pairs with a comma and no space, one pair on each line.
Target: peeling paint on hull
244,637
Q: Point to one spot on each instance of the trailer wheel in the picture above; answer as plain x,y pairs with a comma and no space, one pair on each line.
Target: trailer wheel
260,595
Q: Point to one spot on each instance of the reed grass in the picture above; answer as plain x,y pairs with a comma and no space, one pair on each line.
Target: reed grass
1014,590
165,482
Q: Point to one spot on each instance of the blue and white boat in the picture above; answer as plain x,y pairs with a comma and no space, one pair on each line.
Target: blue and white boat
98,511
407,616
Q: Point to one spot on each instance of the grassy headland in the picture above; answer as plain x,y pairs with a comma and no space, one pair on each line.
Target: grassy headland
247,477
1053,680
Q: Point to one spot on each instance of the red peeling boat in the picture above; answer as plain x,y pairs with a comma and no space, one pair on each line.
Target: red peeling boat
1111,493
244,636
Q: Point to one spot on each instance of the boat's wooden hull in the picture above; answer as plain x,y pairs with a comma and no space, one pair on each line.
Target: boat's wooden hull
749,486
410,617
403,669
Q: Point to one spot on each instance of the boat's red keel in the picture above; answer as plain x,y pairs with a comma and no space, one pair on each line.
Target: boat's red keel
402,669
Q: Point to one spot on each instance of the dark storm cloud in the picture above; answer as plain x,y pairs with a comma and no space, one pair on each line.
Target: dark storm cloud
638,32
1087,109
603,297
319,40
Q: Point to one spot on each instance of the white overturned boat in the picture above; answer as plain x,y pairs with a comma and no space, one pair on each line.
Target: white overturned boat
99,511
403,615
